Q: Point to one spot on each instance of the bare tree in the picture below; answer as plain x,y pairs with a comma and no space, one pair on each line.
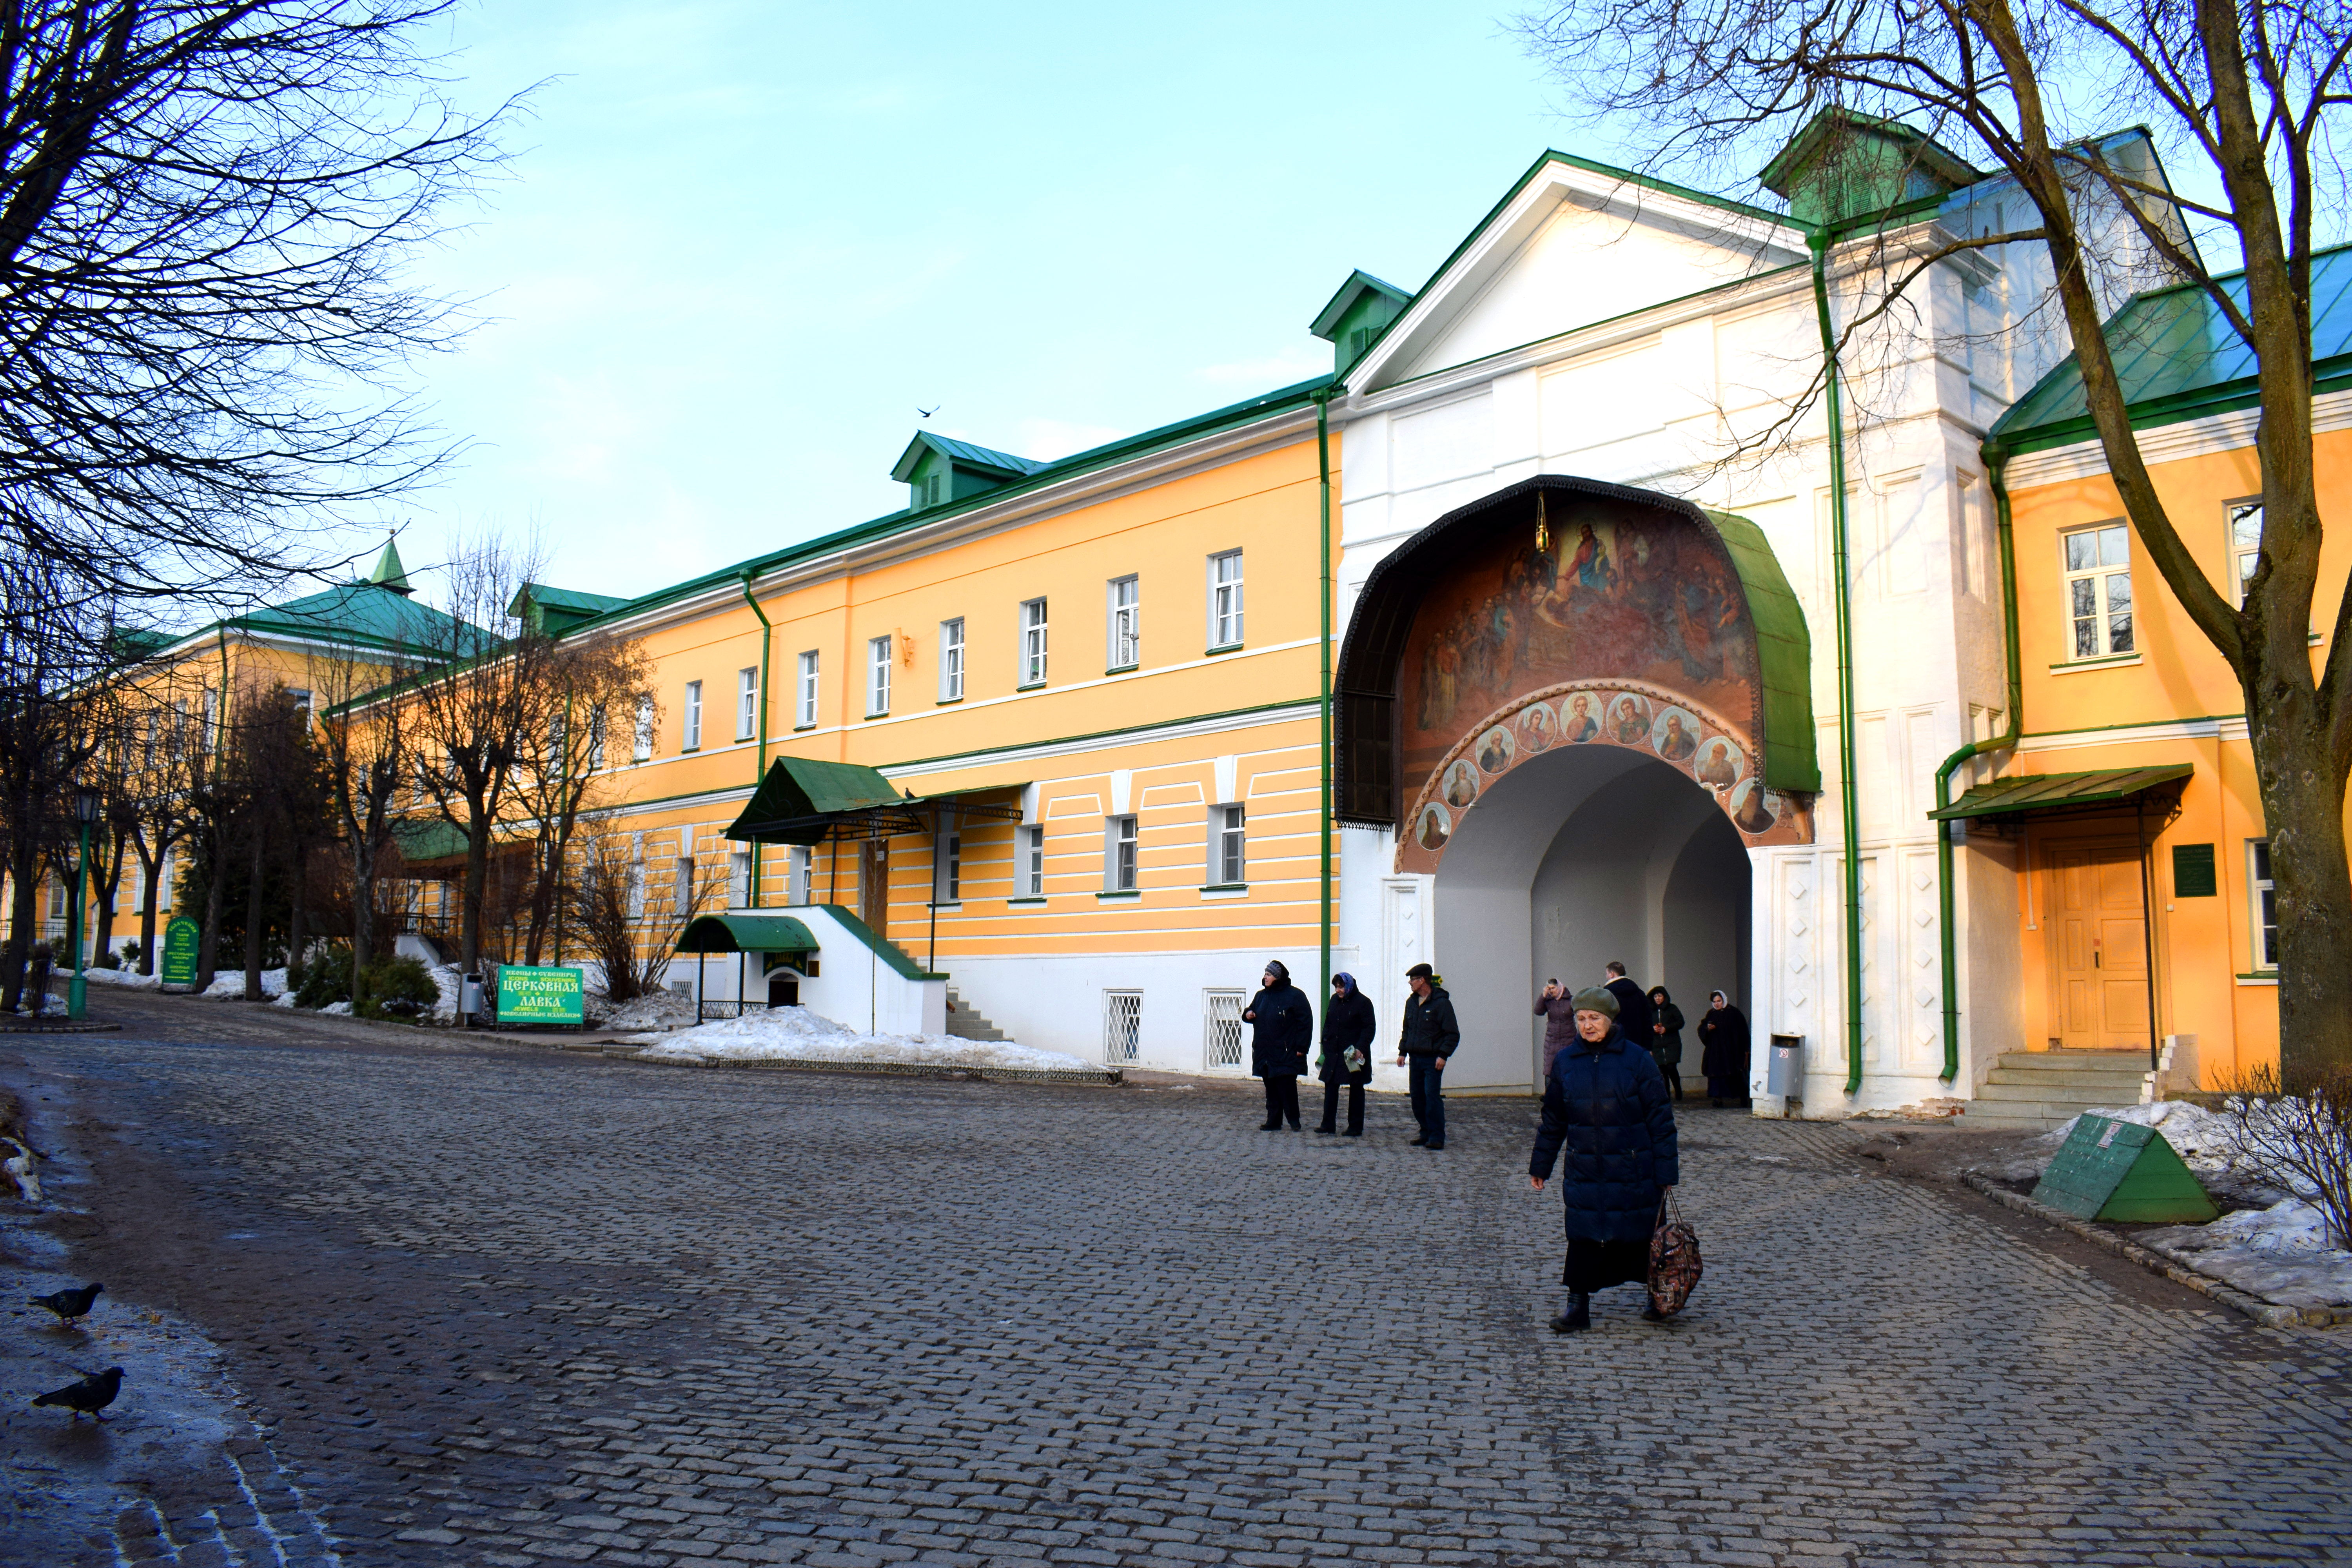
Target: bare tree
599,684
629,931
169,760
204,209
367,762
2251,89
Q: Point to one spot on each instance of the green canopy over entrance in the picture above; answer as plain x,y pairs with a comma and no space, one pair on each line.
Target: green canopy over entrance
2035,793
746,934
803,800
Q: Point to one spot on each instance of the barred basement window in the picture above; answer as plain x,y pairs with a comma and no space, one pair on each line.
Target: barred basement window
1221,1024
1122,1026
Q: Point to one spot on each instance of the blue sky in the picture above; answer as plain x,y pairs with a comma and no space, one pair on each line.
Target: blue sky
740,243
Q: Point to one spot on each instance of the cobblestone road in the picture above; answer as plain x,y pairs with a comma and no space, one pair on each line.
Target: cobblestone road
498,1306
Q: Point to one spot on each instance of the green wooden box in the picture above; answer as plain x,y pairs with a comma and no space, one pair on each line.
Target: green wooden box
2109,1169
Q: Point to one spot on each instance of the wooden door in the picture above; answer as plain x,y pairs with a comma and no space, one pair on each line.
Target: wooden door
2098,938
874,883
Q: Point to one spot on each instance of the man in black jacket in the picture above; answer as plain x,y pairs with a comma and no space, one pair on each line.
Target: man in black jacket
1429,1037
1633,1016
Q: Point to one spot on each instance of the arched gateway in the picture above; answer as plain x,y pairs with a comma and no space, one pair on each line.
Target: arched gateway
1577,706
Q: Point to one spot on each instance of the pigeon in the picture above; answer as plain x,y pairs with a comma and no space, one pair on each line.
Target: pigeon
926,413
69,1304
93,1393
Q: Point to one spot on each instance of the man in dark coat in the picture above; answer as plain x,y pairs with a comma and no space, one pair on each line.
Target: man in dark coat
1348,1029
1634,1014
1605,1109
1430,1035
1281,1025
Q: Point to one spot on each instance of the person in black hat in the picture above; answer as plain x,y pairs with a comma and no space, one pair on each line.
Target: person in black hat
1430,1035
1281,1024
1348,1027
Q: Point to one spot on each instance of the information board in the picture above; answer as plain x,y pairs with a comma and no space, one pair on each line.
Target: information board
544,995
180,940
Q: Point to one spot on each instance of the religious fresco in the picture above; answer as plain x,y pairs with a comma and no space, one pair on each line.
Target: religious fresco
1602,624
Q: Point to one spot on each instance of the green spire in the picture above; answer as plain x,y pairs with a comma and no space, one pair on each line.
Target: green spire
389,573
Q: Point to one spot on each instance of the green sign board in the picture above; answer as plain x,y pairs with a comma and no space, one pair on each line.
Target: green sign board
2192,871
180,938
540,995
2118,1170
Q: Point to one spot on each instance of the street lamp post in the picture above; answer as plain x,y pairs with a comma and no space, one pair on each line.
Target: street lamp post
85,808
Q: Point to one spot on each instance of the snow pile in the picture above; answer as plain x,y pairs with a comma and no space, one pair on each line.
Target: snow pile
344,1008
800,1035
446,981
230,983
2200,1137
130,977
2278,1253
661,1010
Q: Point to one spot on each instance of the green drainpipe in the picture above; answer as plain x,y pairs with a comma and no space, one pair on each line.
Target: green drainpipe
1995,458
1323,828
1819,241
767,630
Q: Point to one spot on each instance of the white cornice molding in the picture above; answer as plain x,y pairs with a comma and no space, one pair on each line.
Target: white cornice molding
1142,734
2230,728
2170,443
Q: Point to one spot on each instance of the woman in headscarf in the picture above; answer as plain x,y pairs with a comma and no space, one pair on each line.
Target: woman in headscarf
1666,1038
1347,1058
1281,1024
1723,1050
1605,1110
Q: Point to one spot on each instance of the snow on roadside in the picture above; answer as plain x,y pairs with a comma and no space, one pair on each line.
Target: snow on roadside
127,977
797,1032
661,1009
230,983
2278,1253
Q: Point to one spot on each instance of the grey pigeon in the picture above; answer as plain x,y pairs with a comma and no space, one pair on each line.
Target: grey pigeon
69,1304
93,1393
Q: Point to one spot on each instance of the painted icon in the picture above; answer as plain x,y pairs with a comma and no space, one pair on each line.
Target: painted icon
1719,764
1460,784
1536,727
1436,826
1752,809
1497,749
1577,721
1676,735
1628,721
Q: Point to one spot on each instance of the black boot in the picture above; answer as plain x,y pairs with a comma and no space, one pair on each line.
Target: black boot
1579,1316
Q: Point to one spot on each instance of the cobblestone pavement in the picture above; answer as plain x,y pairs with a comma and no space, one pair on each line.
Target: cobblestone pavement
492,1305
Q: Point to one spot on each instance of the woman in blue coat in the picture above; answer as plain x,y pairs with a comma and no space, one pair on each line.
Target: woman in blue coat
1282,1025
1605,1108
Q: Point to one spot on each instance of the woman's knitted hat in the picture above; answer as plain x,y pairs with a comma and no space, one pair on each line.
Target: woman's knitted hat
1596,999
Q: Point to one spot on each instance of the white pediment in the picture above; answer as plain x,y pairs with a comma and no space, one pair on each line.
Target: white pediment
1575,246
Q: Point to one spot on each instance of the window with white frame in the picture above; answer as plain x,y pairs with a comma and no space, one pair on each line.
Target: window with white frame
1119,862
681,893
878,675
1033,642
951,660
1126,650
596,740
1122,1026
2099,589
947,869
641,743
747,703
806,713
1033,850
1221,1028
1228,845
2263,899
2245,543
1226,599
738,879
163,881
797,874
691,722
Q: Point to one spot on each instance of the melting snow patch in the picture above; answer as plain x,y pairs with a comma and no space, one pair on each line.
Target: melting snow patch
130,977
2280,1253
797,1033
661,1009
231,983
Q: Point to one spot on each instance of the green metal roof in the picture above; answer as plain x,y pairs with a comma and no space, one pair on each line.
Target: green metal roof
898,958
794,802
428,839
1784,655
963,452
389,573
746,934
2059,791
549,598
1358,284
363,612
2178,358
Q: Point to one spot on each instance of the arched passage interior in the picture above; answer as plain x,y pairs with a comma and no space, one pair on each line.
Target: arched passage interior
1575,858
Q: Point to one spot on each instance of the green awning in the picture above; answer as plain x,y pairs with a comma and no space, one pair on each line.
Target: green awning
746,934
803,799
2060,792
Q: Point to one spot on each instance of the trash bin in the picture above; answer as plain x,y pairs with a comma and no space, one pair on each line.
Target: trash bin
1784,1068
469,996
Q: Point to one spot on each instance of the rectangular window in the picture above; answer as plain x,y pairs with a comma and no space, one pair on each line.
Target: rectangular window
738,879
947,878
1119,863
681,895
1126,623
1231,862
2099,589
1122,1026
746,703
951,660
1033,849
596,740
797,875
163,882
877,676
2245,542
1220,1025
691,725
1226,599
641,743
807,711
2265,901
1033,643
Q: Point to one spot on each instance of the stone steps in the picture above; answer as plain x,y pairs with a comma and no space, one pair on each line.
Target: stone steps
2036,1092
965,1022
